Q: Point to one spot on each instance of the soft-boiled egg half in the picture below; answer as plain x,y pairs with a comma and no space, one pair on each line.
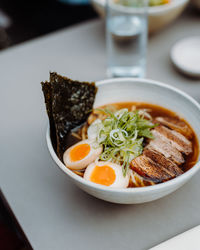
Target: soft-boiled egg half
107,174
80,155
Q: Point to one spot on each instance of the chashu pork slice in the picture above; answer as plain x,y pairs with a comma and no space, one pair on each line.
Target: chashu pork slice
176,124
177,140
161,145
149,170
163,162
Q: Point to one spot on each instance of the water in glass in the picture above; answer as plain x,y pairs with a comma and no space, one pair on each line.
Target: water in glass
126,35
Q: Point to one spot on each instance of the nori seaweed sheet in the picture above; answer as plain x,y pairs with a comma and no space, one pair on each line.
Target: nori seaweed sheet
47,90
68,105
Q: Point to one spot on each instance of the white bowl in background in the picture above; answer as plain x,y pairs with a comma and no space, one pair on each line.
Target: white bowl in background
186,57
159,16
143,90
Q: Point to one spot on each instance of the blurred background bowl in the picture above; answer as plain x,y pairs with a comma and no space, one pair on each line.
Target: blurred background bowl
159,16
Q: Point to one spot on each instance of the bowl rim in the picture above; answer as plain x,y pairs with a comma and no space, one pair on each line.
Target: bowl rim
154,9
160,186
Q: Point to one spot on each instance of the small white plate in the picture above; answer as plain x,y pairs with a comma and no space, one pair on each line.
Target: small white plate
185,55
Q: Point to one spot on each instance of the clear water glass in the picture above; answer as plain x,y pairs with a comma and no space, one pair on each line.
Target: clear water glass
126,37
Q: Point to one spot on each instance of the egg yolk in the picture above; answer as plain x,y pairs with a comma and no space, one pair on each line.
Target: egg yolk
103,175
79,152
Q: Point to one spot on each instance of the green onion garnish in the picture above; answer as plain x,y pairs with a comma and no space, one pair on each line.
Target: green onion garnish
122,135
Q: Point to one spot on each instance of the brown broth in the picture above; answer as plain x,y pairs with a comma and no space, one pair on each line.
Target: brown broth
156,110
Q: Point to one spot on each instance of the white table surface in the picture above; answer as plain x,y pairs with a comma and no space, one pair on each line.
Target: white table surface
52,211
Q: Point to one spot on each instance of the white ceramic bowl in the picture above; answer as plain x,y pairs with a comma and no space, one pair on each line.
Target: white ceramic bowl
159,16
130,89
186,57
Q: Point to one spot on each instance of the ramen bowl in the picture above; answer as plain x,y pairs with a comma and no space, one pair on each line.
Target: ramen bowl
138,90
159,16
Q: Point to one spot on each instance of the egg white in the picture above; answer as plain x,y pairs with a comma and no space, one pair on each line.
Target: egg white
120,180
95,151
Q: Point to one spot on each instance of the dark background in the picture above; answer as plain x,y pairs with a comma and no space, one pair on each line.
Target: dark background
30,19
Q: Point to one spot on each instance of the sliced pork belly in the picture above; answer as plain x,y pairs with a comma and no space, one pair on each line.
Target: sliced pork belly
163,162
149,170
177,140
176,124
161,145
162,155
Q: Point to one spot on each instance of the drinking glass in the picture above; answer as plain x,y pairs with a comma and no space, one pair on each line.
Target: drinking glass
126,37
